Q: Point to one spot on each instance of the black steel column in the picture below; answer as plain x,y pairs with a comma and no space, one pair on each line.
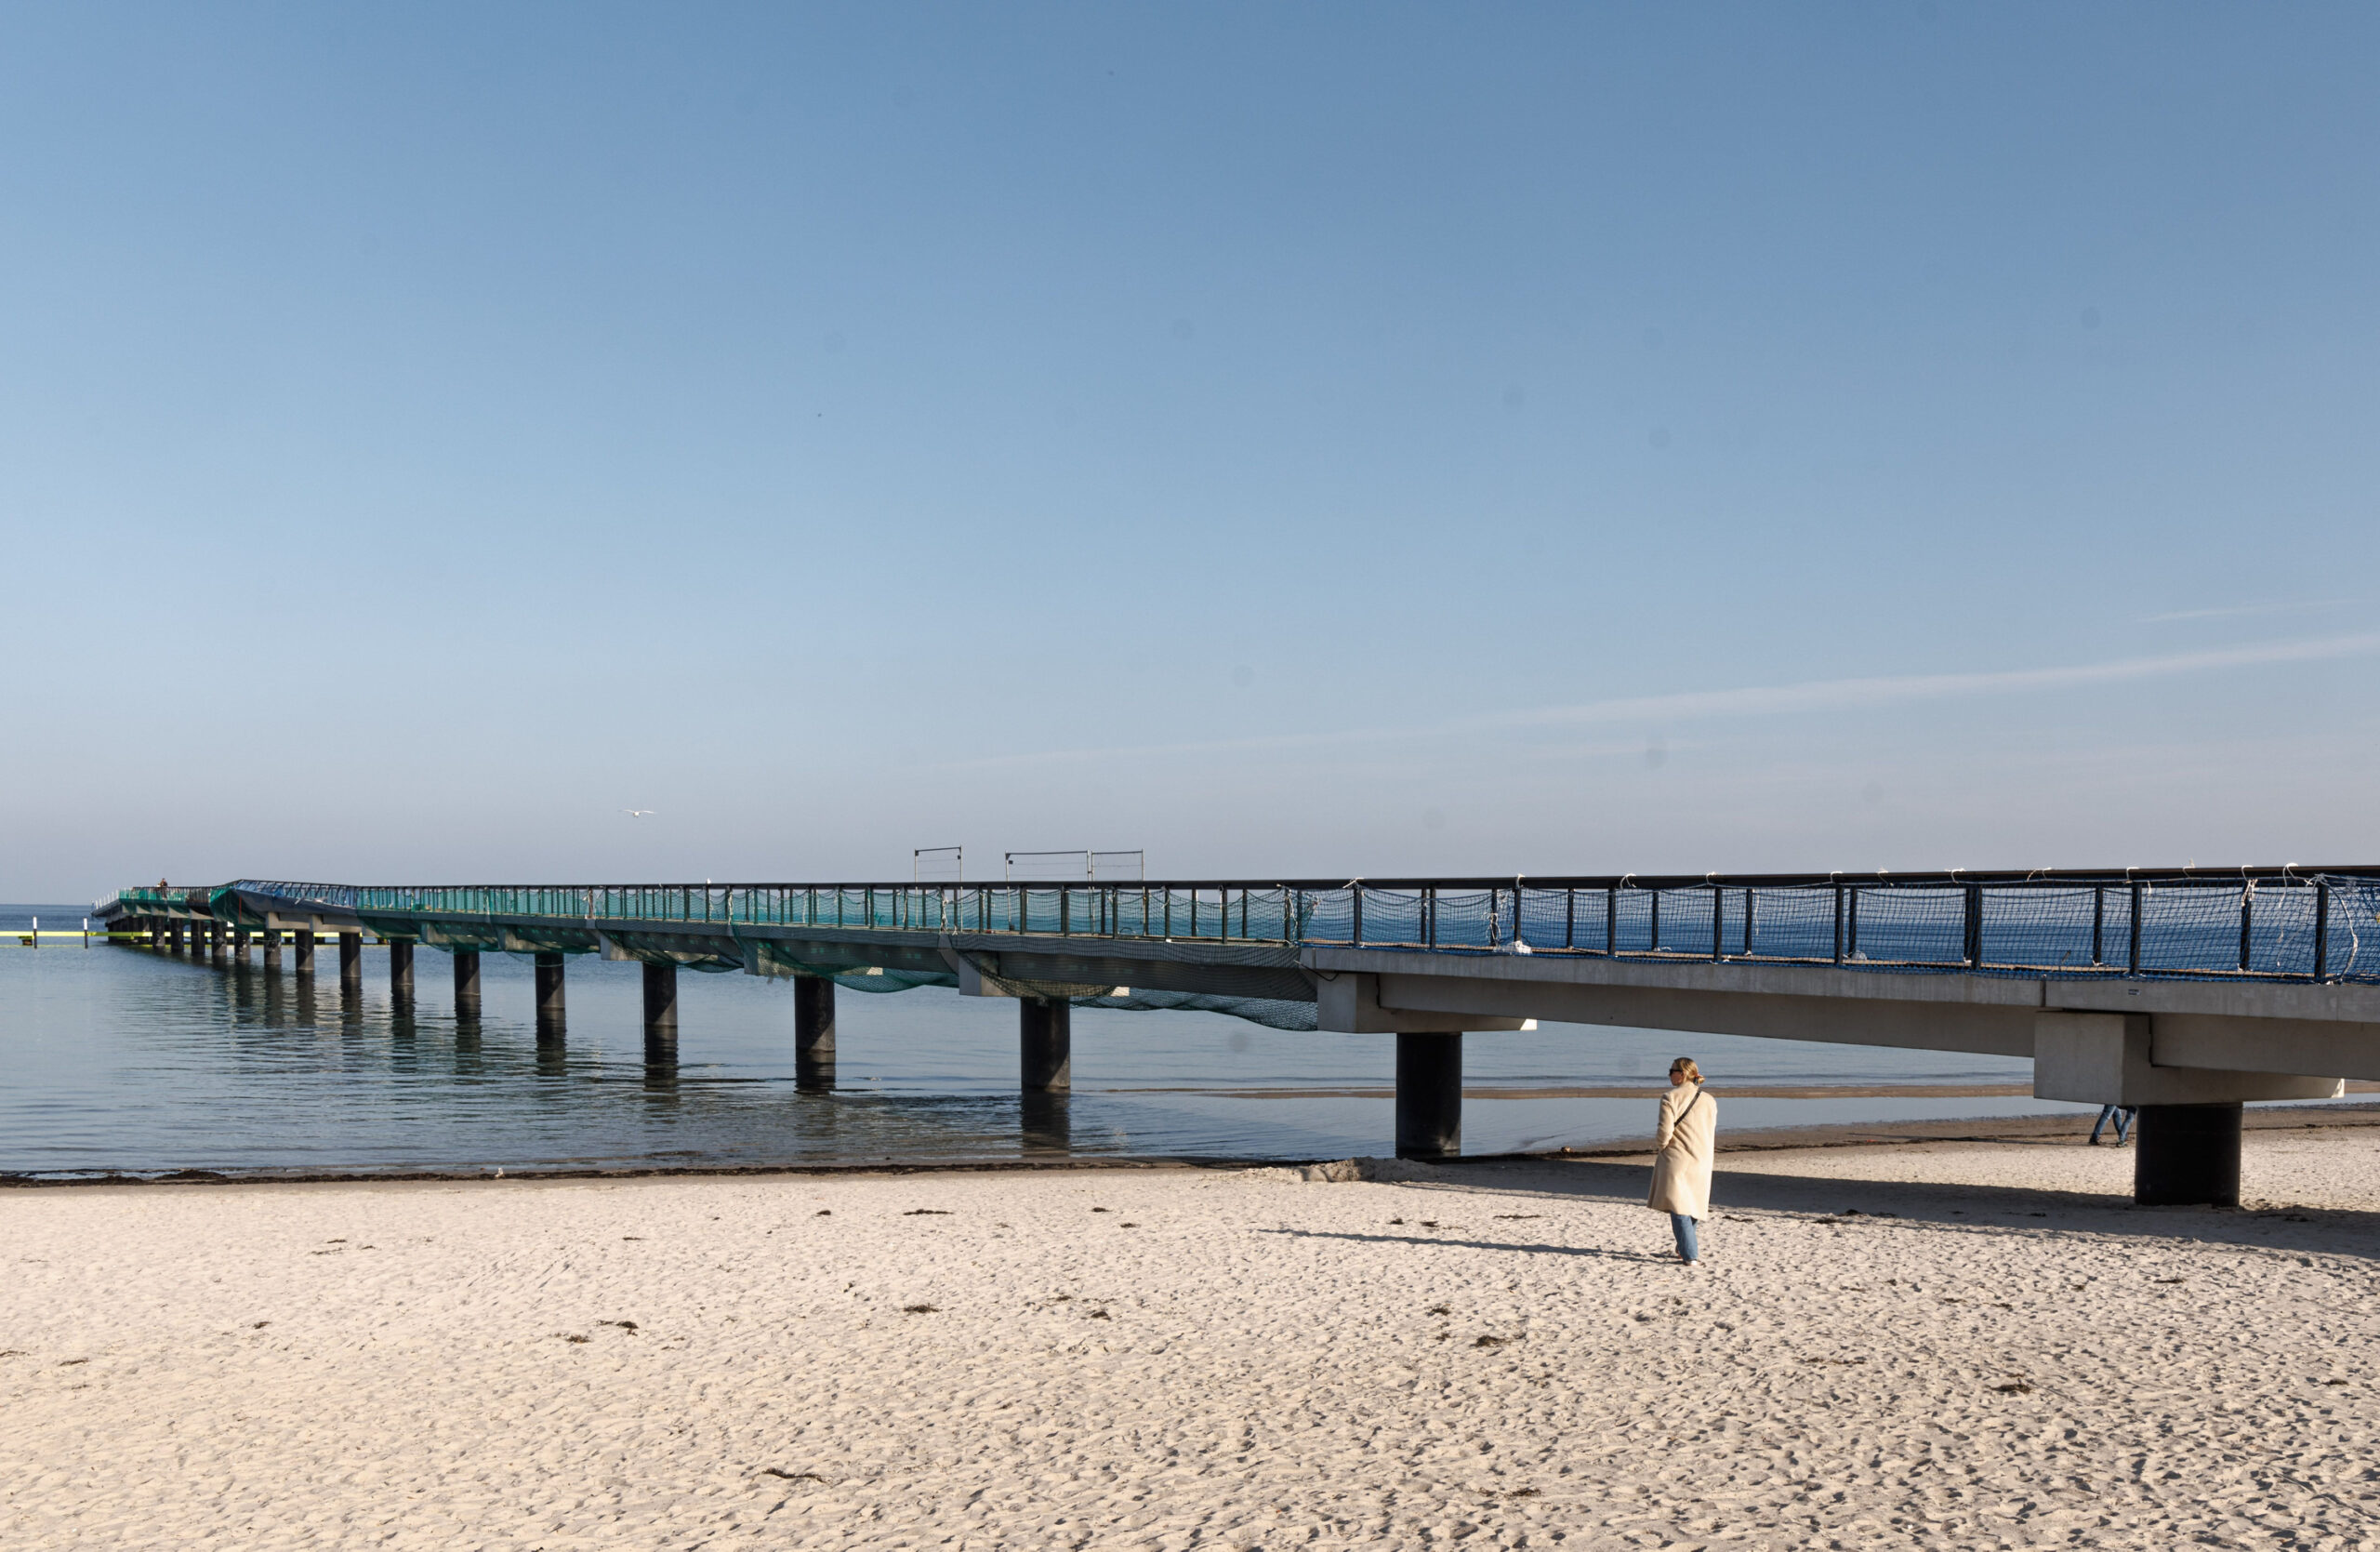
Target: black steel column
1045,1027
549,972
2186,1156
1429,1095
304,943
400,968
350,962
467,983
814,1032
660,1008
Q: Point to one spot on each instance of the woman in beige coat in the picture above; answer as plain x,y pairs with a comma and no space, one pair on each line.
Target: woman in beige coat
1684,1137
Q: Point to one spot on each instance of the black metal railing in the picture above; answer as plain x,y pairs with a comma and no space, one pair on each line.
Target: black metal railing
2288,923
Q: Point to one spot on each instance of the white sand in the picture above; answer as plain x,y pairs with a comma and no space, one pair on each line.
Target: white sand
1219,1359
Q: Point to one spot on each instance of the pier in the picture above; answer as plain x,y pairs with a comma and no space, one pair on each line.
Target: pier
2184,993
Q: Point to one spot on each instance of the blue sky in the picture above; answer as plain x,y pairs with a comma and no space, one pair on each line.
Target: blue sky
1315,439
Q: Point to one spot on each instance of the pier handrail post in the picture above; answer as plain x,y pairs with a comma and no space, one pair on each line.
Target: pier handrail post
2133,959
2322,929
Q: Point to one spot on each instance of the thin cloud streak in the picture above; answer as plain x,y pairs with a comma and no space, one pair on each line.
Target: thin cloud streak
1830,695
1763,700
2234,611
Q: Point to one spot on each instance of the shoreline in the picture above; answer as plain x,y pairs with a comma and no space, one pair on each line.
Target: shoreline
2067,1130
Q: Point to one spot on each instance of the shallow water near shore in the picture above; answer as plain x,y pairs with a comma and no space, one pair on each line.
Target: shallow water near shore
116,1059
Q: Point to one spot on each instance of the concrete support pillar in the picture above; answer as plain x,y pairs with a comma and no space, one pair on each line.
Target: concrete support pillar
1045,1045
400,968
660,1009
549,1005
813,1033
2187,1156
157,933
1429,1095
467,983
215,944
350,960
304,943
272,949
240,947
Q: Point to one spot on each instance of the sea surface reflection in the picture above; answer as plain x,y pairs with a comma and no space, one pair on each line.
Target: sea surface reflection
121,1059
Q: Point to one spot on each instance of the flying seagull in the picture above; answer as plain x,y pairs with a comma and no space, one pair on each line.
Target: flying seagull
637,813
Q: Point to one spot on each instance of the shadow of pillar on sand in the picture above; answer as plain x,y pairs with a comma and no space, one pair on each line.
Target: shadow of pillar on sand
1765,1181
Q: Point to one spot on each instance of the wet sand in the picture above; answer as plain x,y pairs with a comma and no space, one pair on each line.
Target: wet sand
1937,1343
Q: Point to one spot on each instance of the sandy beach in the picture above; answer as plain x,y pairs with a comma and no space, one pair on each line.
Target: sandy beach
1940,1344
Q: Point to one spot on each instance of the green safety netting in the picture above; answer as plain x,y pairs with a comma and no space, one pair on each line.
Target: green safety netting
767,957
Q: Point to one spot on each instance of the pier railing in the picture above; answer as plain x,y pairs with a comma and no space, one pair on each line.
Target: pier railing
2258,923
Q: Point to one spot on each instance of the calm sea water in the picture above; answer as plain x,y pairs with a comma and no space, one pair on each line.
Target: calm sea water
115,1058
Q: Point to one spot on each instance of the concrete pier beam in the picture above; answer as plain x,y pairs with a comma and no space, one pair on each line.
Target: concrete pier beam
549,997
813,1033
350,960
271,936
467,983
1429,1095
1045,1045
400,968
2187,1156
660,1009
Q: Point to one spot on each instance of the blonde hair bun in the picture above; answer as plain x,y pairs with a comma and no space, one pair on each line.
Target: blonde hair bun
1686,1065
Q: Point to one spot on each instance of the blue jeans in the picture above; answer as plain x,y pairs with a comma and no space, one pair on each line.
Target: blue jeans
1683,1227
